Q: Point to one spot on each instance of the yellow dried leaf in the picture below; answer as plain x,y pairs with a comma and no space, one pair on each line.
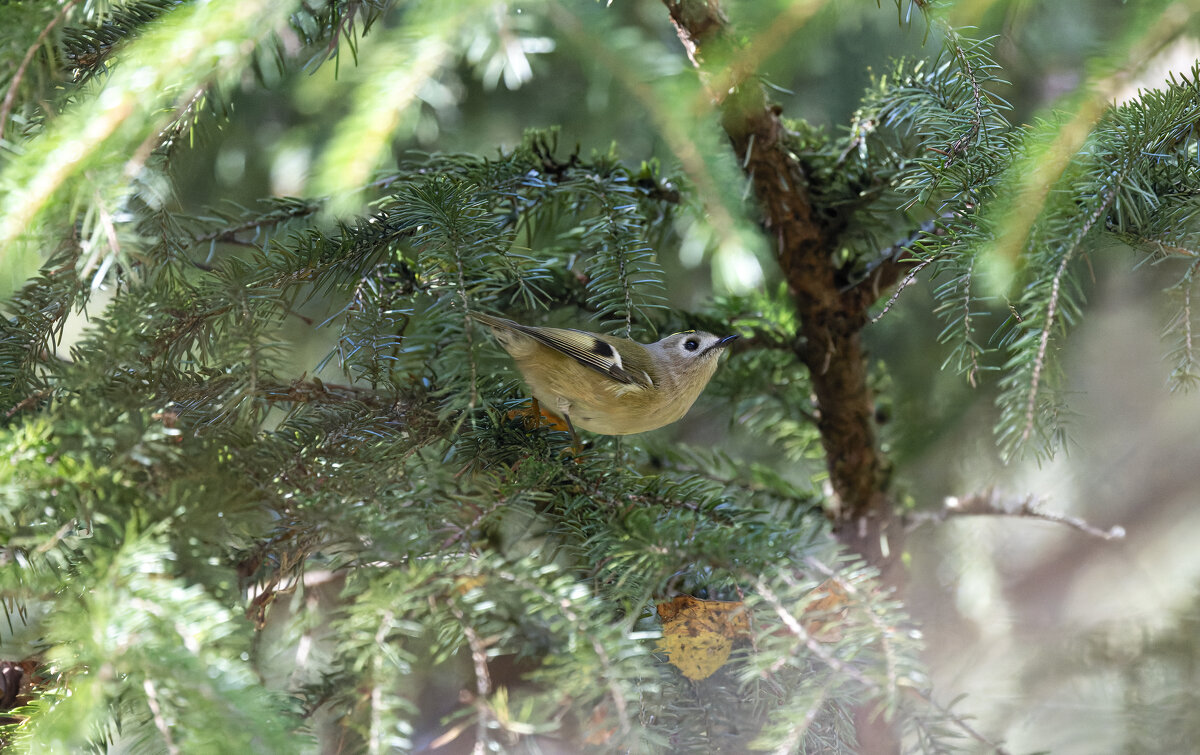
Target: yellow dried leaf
696,657
698,635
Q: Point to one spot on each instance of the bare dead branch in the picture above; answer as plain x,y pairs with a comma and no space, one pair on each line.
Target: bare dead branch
991,503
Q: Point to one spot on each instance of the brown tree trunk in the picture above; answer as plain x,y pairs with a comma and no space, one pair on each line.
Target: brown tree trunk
832,312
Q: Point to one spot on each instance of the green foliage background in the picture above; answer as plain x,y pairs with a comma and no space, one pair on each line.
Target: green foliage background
263,492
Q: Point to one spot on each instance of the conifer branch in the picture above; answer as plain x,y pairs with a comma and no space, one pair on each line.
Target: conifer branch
795,736
975,125
1052,305
687,143
883,631
375,743
623,277
1185,374
960,722
10,97
479,540
570,614
27,402
905,283
468,331
344,28
1186,317
1039,361
972,352
89,46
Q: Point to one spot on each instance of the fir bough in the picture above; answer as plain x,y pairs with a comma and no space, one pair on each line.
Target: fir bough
462,537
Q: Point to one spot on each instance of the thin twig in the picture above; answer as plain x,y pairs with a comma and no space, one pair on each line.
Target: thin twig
28,401
890,256
960,144
960,722
1187,318
133,166
160,721
1039,363
1167,249
345,26
63,531
483,680
1188,357
990,503
229,235
908,280
375,739
973,372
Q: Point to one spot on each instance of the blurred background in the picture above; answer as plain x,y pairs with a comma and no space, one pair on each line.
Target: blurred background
1060,640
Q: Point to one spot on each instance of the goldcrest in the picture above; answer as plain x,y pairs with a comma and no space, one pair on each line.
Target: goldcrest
606,384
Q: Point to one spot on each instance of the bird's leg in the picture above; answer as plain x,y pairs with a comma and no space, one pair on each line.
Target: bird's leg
576,446
564,411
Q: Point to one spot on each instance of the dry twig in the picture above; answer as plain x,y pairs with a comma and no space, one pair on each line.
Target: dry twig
991,503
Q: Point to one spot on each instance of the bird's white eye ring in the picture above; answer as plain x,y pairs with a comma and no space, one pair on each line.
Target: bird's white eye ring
691,344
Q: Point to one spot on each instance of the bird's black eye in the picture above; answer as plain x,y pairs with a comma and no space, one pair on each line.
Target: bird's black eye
691,344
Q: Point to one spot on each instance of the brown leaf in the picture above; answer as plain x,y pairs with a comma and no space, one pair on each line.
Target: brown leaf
698,635
823,614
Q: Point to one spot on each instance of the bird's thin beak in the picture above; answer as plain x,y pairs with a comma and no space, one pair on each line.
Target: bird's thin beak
722,343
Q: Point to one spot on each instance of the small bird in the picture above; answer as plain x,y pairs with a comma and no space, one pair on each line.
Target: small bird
610,385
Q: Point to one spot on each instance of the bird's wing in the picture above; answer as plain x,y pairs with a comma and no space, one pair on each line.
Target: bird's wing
590,351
